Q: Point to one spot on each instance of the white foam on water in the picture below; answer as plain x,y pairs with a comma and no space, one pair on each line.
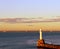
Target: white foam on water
31,42
53,41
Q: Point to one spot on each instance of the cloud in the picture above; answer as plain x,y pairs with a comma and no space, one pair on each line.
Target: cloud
29,20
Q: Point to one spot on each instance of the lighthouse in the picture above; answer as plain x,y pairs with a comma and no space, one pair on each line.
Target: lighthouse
42,45
40,35
40,42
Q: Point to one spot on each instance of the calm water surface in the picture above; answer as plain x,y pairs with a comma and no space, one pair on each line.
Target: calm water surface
26,40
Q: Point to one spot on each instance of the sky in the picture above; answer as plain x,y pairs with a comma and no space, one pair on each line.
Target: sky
29,8
32,15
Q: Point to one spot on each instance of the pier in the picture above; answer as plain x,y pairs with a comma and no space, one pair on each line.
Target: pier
41,43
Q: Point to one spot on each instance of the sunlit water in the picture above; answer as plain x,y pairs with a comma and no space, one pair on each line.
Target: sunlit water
26,40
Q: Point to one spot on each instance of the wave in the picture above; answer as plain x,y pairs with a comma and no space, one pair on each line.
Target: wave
53,41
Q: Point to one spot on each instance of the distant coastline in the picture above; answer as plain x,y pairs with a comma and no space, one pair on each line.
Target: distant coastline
30,31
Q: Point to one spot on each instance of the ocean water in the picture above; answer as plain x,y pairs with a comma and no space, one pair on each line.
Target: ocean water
26,40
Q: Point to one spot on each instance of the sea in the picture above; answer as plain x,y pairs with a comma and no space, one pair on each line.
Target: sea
26,40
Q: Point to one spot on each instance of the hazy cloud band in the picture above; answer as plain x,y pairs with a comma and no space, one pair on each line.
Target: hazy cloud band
29,20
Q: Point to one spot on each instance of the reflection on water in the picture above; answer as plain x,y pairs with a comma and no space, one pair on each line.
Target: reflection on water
40,48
